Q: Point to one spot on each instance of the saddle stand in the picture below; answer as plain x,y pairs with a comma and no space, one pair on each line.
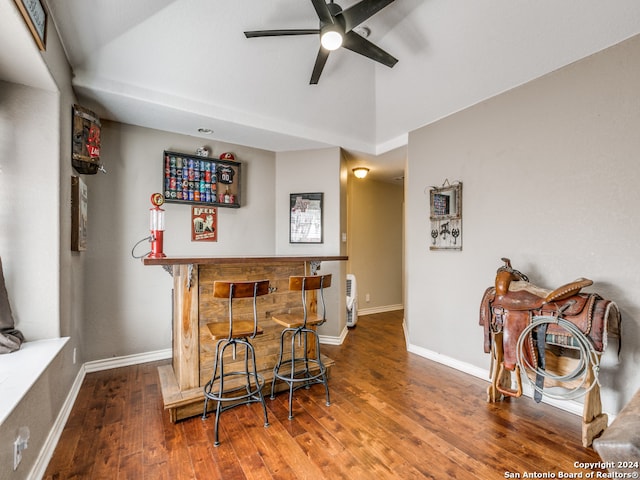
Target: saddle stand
525,331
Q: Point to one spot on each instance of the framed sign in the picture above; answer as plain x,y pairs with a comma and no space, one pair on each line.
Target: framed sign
35,16
305,219
204,224
85,146
78,214
198,180
446,217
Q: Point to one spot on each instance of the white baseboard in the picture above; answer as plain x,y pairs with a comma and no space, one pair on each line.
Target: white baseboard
384,308
330,340
449,361
361,312
570,406
135,359
41,463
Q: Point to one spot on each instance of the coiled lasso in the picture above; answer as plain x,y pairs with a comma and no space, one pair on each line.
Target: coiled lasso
589,360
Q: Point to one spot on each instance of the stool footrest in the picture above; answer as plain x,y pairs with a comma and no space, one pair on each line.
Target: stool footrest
316,371
211,394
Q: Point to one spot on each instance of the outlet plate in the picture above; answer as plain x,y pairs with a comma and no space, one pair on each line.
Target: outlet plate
21,442
17,453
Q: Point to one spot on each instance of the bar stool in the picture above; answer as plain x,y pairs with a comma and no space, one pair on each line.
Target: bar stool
303,367
245,385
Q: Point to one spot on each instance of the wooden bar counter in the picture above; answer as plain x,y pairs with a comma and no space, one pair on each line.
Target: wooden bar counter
182,382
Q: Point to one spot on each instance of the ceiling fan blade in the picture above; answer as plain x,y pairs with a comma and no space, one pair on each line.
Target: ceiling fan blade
321,59
279,33
358,44
355,15
322,10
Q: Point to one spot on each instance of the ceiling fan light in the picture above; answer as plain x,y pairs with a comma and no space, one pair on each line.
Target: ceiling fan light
331,39
360,172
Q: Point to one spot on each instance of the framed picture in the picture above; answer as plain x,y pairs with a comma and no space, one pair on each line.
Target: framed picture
305,210
35,16
446,217
204,224
78,215
85,148
198,180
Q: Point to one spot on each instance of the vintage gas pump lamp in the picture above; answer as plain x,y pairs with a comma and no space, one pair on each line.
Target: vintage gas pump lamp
156,226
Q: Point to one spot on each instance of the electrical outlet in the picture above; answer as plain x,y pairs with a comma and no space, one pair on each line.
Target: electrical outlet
74,355
17,453
21,442
367,298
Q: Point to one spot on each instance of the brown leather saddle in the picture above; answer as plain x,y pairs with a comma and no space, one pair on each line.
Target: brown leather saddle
513,302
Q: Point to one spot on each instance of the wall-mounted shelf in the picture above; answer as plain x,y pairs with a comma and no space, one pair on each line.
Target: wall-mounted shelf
196,180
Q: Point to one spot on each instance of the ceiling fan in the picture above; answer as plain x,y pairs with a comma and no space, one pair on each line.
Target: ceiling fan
336,30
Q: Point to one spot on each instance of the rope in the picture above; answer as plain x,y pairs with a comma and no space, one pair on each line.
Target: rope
589,359
149,238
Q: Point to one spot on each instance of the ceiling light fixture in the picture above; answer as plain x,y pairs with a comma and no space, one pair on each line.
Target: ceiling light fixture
331,37
360,172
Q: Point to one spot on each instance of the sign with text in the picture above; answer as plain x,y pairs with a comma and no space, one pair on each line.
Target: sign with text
204,224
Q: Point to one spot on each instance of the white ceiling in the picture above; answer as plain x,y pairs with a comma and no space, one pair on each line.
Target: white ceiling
178,65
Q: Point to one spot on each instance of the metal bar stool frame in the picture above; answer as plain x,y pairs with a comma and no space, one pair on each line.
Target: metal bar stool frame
238,334
298,329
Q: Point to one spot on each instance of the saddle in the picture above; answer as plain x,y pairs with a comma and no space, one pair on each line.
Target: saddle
508,308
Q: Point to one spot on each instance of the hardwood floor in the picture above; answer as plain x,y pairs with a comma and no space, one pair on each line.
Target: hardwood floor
394,415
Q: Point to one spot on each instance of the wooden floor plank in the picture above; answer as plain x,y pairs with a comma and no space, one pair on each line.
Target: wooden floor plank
282,434
393,415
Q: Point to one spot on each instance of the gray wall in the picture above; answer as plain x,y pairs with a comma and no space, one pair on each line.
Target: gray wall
375,242
127,304
316,171
30,206
44,278
550,179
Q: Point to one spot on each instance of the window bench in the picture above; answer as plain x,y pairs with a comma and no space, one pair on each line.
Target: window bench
21,369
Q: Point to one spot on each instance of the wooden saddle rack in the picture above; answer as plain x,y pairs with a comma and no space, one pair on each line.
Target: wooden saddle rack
545,336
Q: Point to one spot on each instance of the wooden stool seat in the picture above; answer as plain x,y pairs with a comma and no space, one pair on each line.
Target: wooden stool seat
290,320
243,384
240,329
302,367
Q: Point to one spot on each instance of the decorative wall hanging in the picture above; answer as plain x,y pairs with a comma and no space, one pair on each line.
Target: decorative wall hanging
86,141
78,215
202,151
305,218
204,224
198,180
446,217
35,16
